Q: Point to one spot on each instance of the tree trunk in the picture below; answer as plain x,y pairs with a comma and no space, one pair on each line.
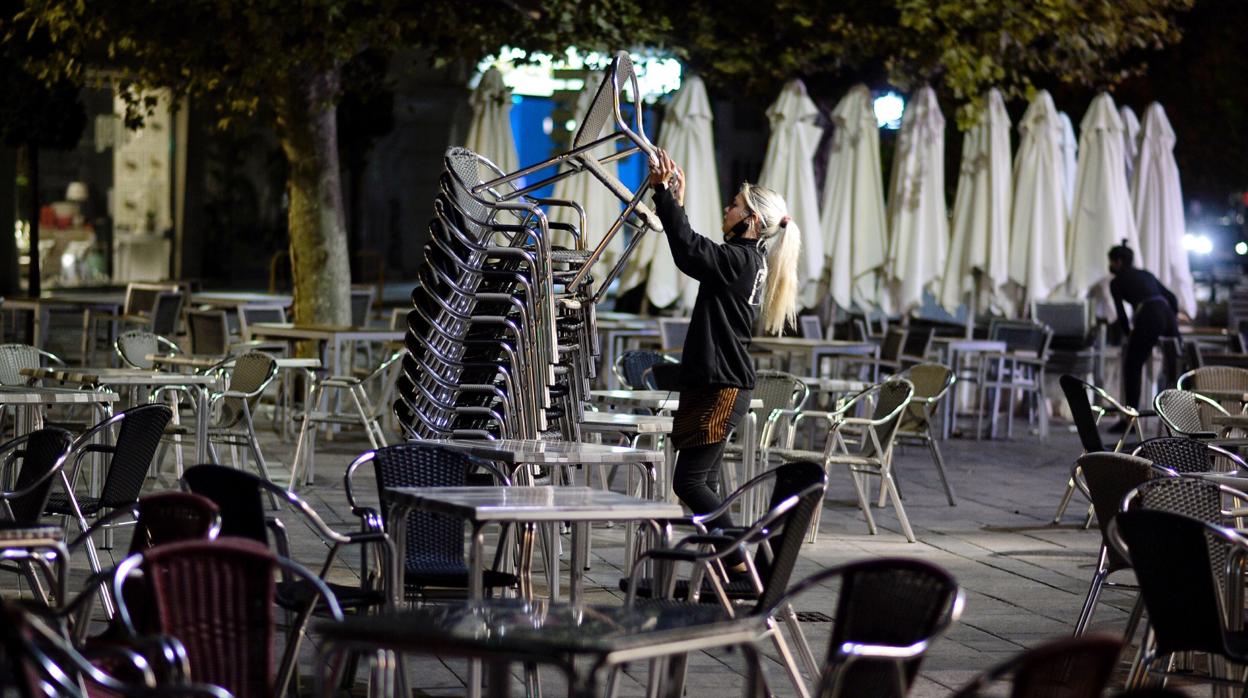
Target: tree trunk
318,239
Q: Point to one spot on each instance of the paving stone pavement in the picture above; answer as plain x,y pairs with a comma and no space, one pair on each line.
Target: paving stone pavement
1024,578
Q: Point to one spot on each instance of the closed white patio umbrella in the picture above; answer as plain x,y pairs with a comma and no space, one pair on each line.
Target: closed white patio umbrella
1101,216
979,253
1130,140
1038,218
1070,158
1157,203
601,206
788,168
855,225
687,135
489,132
918,223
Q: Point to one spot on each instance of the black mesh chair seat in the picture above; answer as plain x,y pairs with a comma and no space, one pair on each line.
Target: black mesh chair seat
60,505
296,594
451,578
736,590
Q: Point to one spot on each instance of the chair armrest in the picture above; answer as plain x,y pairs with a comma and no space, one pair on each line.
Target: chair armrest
370,518
706,539
341,381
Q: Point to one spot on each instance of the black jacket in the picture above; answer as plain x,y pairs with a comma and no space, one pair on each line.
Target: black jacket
717,349
1145,294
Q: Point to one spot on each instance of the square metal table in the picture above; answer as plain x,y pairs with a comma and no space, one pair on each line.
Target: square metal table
481,506
818,349
117,377
508,631
328,335
85,302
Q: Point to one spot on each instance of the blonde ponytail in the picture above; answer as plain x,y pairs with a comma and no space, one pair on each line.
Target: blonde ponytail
784,248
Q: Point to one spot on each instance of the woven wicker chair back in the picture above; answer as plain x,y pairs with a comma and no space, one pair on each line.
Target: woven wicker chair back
43,448
1110,476
137,440
14,358
894,602
217,597
1170,556
252,372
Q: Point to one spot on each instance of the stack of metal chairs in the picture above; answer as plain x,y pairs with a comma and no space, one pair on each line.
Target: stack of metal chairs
501,339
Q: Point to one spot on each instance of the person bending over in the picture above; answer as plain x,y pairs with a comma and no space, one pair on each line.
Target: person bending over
1154,314
754,270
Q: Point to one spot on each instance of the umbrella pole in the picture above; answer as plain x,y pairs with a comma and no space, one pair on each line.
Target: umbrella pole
973,308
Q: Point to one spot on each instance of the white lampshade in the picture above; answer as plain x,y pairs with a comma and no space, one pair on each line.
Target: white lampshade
76,191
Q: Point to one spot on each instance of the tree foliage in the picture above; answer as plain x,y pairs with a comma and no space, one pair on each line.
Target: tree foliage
961,46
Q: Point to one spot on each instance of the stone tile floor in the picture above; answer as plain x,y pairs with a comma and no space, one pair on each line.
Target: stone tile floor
1024,578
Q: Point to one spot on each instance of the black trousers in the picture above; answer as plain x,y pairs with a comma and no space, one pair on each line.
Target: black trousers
695,479
1153,320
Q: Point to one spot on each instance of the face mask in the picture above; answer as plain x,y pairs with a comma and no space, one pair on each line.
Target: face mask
739,229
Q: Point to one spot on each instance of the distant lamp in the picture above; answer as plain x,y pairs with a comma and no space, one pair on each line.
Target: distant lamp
1198,243
1241,248
77,192
888,109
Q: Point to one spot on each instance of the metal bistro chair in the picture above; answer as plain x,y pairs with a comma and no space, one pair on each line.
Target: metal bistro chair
434,544
1108,478
217,597
1226,379
158,518
240,497
39,457
232,411
631,366
209,332
15,357
367,412
1086,417
37,659
672,332
932,383
1174,560
1186,413
1019,369
874,453
135,346
888,614
129,459
798,491
783,395
1185,456
1070,668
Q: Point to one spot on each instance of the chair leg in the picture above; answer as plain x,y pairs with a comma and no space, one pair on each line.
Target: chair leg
1133,621
1089,602
786,658
940,465
304,442
862,501
1061,507
799,639
898,507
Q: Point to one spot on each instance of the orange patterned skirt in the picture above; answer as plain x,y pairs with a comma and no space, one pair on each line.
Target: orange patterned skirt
707,416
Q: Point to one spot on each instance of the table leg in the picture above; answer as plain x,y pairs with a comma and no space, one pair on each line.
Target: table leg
88,340
476,591
580,535
748,456
201,424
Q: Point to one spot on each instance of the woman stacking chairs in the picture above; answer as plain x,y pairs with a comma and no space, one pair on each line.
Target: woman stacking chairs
501,338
